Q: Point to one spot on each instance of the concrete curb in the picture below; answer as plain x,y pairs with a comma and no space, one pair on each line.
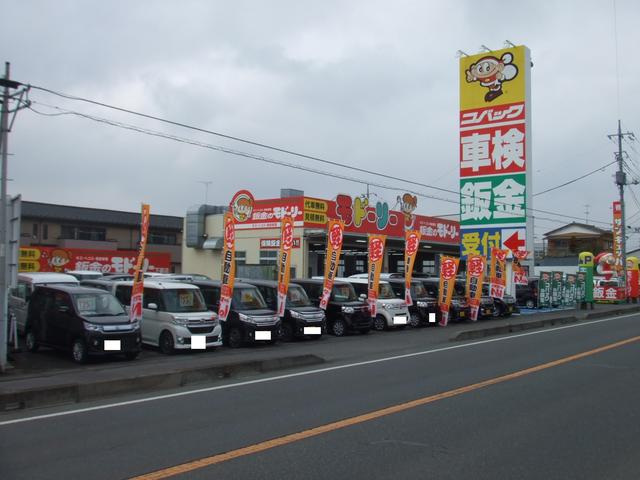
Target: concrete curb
17,399
580,315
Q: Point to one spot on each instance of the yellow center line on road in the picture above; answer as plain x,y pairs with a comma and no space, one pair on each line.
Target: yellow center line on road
347,422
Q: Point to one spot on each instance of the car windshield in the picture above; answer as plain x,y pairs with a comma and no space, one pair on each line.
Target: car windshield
97,305
183,300
343,293
248,299
460,288
297,297
385,291
418,290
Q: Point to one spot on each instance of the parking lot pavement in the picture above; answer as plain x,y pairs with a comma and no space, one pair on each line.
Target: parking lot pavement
52,371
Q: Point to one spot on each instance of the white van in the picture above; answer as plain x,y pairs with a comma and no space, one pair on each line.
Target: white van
27,282
174,315
391,311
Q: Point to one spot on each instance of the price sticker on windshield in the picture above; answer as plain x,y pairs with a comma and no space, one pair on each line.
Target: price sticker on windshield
186,299
87,304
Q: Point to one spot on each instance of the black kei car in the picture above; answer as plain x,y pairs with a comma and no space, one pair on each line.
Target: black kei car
504,306
459,309
250,320
345,312
423,304
301,318
85,321
487,308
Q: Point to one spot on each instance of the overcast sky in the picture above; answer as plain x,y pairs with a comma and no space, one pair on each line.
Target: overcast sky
368,83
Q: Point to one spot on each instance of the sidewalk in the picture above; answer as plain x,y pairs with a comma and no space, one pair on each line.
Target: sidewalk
50,378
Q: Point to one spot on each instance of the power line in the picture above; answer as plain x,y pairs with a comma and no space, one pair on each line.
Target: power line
600,169
239,139
258,157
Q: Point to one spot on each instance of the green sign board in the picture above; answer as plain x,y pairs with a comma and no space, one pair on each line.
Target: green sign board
493,200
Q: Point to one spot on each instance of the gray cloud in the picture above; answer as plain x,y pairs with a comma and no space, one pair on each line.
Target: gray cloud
371,84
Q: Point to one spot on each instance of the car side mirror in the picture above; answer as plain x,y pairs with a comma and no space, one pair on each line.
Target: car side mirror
152,306
362,297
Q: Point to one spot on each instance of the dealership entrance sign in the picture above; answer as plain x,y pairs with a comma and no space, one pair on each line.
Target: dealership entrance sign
495,152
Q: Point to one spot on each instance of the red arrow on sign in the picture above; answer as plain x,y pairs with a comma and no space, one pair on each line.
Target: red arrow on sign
514,242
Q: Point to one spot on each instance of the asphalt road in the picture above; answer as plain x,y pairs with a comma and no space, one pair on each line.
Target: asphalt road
579,418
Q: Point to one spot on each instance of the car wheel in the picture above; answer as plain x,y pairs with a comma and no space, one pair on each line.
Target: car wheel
414,321
379,323
286,332
530,303
79,351
30,340
338,328
166,343
131,355
235,337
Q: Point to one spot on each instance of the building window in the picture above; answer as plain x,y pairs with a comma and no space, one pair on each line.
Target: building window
45,231
268,257
163,238
71,232
35,230
241,258
429,266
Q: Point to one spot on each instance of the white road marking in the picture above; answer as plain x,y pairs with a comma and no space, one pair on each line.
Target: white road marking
308,372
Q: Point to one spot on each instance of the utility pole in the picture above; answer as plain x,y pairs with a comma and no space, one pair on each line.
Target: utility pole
621,181
206,184
586,213
4,264
5,128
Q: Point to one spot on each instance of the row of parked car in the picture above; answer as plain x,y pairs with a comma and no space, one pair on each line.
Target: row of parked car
90,316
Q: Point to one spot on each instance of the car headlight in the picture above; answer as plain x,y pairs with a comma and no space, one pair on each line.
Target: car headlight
92,327
455,303
422,304
246,318
347,310
295,314
181,321
387,306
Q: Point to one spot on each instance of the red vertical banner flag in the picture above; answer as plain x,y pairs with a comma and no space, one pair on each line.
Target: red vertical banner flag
376,255
476,266
135,311
617,239
335,235
633,289
284,262
519,273
498,272
228,266
411,243
448,271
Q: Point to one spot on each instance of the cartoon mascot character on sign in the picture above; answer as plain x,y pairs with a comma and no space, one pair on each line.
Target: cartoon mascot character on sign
59,259
604,264
491,72
408,203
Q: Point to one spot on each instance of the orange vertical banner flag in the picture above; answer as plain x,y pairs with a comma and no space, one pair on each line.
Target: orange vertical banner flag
135,311
411,244
228,266
376,256
335,235
448,271
284,263
476,266
498,277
